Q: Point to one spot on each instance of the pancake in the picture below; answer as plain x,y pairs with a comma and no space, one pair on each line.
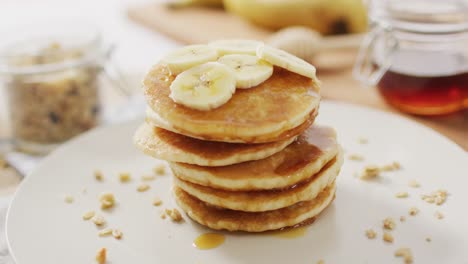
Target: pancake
218,218
166,145
266,200
306,156
155,120
255,115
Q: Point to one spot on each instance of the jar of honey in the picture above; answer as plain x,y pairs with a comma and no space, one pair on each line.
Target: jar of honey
417,55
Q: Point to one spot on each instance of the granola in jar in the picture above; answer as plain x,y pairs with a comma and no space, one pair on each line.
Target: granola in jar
53,96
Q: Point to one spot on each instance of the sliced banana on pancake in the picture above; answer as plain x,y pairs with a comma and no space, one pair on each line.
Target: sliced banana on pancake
236,46
188,57
250,71
286,60
204,87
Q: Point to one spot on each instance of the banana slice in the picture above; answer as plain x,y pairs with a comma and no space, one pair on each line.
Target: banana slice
286,60
250,70
204,87
236,46
188,57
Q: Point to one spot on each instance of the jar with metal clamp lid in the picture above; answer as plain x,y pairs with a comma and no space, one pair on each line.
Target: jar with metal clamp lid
51,80
417,55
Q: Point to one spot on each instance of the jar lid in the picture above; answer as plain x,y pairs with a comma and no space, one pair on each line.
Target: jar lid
49,46
422,16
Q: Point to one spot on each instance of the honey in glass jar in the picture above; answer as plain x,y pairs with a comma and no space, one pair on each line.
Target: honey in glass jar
417,55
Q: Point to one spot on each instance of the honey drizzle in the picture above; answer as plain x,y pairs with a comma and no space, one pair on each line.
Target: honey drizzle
208,241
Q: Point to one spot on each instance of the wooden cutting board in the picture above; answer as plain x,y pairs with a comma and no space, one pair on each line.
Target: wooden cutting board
201,25
195,24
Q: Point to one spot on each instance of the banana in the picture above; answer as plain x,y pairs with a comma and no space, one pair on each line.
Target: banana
325,16
204,87
287,61
236,46
300,41
188,57
250,71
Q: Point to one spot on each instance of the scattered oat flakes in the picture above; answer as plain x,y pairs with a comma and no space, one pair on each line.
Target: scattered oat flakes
401,195
428,199
402,218
117,234
356,157
438,215
387,237
98,175
428,239
157,201
321,262
163,215
370,172
105,232
160,169
107,200
389,223
373,171
440,200
69,199
143,187
148,178
174,214
88,215
362,140
438,197
371,234
101,256
98,220
391,167
414,184
406,254
413,211
125,177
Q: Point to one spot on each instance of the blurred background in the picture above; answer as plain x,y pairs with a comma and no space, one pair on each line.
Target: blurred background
67,66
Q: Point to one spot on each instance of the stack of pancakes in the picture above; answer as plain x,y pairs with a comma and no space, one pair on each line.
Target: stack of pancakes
255,163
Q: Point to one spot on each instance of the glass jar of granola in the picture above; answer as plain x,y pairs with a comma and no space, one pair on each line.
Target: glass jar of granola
51,83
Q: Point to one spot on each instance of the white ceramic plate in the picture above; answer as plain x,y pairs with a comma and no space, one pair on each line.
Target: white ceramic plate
42,228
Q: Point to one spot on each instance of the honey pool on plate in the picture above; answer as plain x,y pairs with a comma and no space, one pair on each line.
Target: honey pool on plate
214,240
209,241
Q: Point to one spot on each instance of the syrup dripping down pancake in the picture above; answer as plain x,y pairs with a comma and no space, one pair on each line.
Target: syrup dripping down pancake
306,156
